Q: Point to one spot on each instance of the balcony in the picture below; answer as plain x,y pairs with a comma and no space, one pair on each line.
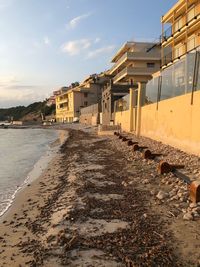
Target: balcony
63,100
177,53
135,56
188,20
133,71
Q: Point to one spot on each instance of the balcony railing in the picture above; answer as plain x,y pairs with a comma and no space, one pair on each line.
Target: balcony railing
177,53
133,71
118,63
169,32
143,55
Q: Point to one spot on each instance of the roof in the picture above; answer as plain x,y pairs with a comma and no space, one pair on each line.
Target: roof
167,17
125,48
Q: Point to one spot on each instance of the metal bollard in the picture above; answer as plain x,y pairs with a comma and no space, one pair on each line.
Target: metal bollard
136,147
195,191
148,155
131,143
165,167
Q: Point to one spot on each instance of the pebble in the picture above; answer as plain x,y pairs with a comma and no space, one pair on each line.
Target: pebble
146,181
188,216
193,205
161,195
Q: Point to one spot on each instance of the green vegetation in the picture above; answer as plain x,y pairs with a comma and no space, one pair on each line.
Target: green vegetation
21,111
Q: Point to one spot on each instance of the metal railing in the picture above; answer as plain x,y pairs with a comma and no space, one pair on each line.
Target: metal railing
178,52
136,55
180,78
122,104
169,32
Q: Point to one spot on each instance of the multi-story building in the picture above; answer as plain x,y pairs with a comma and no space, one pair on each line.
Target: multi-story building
183,34
69,103
135,62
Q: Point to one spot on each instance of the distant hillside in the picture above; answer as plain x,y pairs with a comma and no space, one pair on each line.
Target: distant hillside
29,113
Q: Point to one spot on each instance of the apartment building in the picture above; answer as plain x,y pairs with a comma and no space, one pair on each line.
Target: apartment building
135,62
180,30
70,102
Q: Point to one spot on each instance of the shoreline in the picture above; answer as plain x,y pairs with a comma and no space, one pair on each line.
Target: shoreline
38,168
96,204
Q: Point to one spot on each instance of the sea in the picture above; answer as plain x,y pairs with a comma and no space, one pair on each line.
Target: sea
23,155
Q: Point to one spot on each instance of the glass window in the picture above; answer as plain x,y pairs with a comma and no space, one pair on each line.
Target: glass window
191,43
191,14
178,24
167,85
151,65
179,50
152,91
122,104
179,81
190,70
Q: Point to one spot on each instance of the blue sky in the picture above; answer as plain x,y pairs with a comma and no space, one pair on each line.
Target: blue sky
46,44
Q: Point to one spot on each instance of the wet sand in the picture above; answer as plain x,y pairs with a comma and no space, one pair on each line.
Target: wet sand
88,209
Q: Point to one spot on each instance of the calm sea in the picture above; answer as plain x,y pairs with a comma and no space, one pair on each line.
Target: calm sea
20,151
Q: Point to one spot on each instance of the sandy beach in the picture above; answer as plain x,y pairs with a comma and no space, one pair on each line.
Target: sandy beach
91,207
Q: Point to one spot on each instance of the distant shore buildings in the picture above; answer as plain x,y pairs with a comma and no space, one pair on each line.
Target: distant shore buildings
152,89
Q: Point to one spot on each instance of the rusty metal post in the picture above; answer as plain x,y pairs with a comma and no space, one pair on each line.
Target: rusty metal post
195,191
165,167
136,147
149,155
131,143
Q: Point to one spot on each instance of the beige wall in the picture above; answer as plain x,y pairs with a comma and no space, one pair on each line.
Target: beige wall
176,122
123,119
90,119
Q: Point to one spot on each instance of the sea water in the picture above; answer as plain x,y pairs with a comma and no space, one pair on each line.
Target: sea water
20,151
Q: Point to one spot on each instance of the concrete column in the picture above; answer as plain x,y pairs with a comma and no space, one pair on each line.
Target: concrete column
131,109
140,102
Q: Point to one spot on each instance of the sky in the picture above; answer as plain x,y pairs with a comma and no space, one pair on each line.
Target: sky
47,44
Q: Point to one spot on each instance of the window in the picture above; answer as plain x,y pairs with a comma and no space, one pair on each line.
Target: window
150,65
179,50
178,25
85,94
191,14
85,103
191,43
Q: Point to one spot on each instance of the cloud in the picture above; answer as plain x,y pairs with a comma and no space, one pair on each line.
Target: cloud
99,51
75,47
14,93
46,40
75,21
7,80
20,95
97,40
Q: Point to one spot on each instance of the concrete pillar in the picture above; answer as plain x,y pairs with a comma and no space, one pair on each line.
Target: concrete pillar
140,103
132,104
131,109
